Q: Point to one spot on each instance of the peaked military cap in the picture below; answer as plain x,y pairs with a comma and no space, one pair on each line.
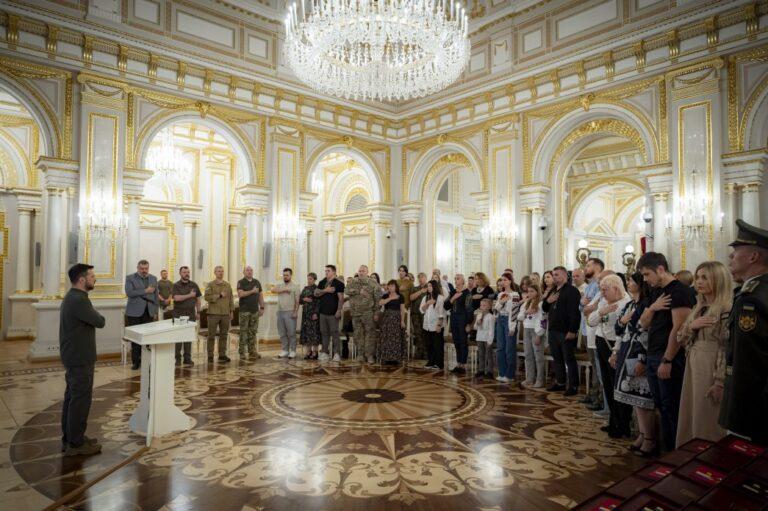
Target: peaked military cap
750,235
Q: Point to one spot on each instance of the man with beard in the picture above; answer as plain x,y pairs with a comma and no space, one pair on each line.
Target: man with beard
142,304
287,312
221,306
77,347
186,302
364,292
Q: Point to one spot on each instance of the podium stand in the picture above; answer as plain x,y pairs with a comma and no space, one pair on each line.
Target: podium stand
157,415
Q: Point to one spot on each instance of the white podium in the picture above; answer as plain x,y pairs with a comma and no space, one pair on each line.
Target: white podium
157,415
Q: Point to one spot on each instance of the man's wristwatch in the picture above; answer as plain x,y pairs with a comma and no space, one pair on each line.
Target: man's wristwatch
665,360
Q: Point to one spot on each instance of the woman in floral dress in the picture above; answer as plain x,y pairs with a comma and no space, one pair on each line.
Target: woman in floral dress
310,321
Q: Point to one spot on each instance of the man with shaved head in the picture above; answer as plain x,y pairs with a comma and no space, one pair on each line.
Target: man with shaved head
249,292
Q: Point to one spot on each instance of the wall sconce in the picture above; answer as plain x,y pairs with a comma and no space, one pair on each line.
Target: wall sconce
583,253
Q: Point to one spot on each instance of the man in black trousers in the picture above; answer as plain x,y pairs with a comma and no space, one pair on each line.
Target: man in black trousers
564,321
77,346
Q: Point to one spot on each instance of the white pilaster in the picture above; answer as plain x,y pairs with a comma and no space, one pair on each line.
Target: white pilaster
133,212
660,220
413,245
537,241
745,171
330,240
23,256
750,203
187,245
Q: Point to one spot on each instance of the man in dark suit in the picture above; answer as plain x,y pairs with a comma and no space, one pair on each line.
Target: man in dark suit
564,321
142,305
77,347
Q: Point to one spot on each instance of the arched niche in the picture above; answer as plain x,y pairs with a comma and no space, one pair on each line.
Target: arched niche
362,159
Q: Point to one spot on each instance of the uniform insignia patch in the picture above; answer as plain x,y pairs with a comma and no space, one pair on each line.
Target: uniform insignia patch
747,319
750,286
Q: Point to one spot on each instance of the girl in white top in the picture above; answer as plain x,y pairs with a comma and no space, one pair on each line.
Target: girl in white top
484,324
532,317
507,305
434,318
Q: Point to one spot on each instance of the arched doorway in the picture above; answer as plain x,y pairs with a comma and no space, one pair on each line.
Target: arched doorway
344,213
190,217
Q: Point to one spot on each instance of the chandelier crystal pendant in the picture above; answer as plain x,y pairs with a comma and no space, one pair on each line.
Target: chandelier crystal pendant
102,217
167,160
499,231
377,49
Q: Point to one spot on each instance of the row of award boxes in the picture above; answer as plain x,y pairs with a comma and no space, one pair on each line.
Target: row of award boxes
731,474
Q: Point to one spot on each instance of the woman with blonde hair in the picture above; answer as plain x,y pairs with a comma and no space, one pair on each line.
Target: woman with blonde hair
703,335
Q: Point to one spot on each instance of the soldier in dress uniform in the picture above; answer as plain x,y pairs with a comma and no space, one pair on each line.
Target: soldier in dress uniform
744,410
363,292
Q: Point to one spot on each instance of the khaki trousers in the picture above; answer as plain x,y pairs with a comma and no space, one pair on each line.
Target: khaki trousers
218,323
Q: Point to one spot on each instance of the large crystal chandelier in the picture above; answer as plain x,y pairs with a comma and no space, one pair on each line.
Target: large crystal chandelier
102,217
377,49
167,160
693,209
288,230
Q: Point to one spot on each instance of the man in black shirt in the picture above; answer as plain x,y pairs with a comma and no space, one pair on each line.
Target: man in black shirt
669,304
564,320
186,302
330,290
77,347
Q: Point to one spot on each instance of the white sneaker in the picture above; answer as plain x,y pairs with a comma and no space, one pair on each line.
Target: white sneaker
502,379
337,358
282,354
292,354
322,357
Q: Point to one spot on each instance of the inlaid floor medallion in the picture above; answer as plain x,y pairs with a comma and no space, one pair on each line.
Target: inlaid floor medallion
297,435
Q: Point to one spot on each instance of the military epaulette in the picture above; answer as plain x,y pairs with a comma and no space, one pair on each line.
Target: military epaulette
750,286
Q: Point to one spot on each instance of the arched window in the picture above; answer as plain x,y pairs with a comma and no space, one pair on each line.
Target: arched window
357,202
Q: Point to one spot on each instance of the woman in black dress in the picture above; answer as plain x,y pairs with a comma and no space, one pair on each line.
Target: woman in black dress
391,340
310,321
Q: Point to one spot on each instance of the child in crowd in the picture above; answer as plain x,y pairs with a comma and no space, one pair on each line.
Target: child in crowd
531,316
485,323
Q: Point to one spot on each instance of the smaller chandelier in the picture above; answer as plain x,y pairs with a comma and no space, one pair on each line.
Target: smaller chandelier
167,160
499,231
288,230
102,217
693,211
377,49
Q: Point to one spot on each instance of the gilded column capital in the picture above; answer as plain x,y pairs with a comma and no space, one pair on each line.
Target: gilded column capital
750,187
661,196
132,199
730,188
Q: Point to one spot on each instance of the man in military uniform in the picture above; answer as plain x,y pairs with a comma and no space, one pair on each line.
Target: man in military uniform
164,287
417,318
744,410
363,292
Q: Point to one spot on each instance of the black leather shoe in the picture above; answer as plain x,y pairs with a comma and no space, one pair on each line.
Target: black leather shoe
594,407
178,363
556,388
224,359
570,392
136,367
189,363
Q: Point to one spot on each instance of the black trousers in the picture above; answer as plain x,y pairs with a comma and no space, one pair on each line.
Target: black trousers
435,347
140,320
621,414
564,358
77,404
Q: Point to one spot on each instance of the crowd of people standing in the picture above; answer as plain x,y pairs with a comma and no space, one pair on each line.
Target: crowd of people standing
684,351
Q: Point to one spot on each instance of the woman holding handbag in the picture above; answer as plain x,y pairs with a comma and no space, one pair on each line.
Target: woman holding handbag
631,382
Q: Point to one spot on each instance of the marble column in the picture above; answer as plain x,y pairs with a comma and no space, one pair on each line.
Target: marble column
187,246
730,211
133,232
750,203
66,199
234,269
521,242
330,241
413,246
537,241
52,249
23,257
380,239
660,222
253,237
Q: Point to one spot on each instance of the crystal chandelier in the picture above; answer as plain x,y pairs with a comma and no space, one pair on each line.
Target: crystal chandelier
167,160
377,49
102,217
499,231
288,230
693,209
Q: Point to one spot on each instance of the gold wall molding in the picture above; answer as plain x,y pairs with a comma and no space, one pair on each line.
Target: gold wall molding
22,72
4,235
738,116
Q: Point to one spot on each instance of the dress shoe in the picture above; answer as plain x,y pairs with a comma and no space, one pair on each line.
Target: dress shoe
479,374
210,360
224,359
605,429
136,367
570,392
87,449
595,407
556,388
88,440
588,400
178,362
189,363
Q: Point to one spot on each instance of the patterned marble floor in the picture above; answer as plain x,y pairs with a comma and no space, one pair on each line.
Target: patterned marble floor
297,435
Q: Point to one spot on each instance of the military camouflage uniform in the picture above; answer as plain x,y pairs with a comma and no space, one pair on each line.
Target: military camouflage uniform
363,295
248,318
417,324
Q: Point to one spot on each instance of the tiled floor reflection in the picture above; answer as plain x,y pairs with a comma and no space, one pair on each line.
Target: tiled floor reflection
297,435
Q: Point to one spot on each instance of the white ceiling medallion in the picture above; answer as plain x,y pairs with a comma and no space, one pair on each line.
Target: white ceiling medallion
377,49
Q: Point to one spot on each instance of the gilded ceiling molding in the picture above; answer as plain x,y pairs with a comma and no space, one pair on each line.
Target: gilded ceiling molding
611,126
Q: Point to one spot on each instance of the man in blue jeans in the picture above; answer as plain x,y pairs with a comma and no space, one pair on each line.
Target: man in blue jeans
669,304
